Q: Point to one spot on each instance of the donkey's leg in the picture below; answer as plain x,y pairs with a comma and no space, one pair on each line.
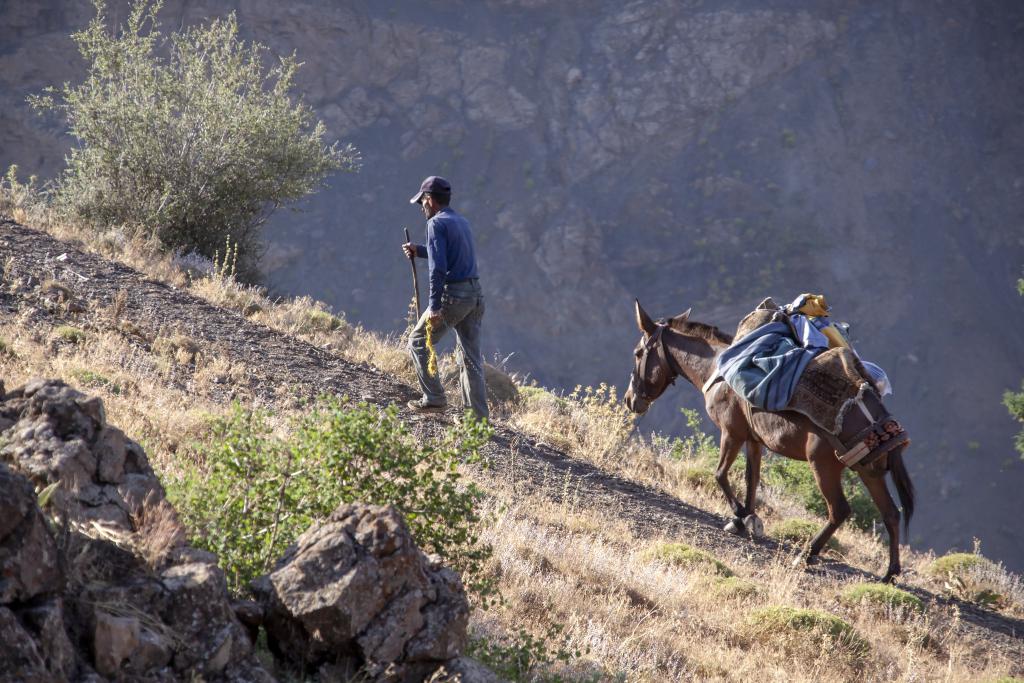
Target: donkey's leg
828,472
875,484
751,521
729,448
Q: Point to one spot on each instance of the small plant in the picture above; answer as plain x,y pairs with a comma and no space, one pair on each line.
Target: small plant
88,378
6,350
882,596
818,627
70,335
318,320
524,657
682,555
732,588
17,199
799,532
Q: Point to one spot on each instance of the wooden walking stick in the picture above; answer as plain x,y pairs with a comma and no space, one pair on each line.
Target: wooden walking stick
415,277
432,364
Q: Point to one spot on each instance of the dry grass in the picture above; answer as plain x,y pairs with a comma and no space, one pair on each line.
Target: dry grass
640,618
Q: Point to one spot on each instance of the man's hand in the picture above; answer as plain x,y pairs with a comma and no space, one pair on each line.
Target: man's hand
434,317
410,249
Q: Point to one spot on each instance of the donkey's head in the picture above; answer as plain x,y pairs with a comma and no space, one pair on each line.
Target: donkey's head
652,369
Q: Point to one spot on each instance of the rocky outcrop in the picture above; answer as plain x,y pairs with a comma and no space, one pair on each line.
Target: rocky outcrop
356,593
101,586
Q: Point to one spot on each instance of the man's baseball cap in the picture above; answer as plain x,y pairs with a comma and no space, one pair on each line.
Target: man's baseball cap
435,184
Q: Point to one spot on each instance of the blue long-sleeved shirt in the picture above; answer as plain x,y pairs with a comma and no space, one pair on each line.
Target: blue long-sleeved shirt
449,252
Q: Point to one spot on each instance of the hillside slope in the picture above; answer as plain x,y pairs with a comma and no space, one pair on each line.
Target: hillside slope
283,369
703,153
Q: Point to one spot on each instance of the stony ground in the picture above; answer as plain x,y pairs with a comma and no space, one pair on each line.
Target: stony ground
283,369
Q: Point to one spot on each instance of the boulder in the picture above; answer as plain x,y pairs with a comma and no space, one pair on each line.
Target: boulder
28,552
62,436
357,590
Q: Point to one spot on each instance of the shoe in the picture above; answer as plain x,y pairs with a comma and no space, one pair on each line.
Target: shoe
421,405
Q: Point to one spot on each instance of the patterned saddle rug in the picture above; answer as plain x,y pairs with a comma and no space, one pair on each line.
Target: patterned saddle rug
834,391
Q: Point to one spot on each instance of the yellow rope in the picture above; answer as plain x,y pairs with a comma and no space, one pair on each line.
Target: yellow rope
432,362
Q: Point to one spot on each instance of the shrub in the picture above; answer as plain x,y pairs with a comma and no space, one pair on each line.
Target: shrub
975,578
955,564
69,335
91,379
523,657
881,595
799,532
256,492
818,627
794,478
190,137
682,555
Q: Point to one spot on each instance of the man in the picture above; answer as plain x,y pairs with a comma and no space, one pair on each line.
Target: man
456,300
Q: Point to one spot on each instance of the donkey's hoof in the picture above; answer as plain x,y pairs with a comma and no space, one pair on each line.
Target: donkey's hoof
805,559
736,526
754,526
890,576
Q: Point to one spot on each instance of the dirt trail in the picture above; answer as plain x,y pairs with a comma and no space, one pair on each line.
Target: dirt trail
282,366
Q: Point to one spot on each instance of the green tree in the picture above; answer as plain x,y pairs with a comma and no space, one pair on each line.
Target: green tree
1014,401
190,137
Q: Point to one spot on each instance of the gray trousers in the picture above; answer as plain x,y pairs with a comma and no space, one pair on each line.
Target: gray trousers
462,309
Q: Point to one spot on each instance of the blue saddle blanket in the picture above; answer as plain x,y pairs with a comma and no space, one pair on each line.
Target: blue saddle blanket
765,365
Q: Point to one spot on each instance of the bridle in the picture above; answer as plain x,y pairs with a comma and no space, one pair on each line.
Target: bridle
656,343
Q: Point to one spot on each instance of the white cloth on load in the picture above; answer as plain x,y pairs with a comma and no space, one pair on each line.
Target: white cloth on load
878,376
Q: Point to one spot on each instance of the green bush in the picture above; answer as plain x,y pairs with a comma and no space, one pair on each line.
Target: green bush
682,555
256,492
799,532
881,595
794,478
958,564
189,137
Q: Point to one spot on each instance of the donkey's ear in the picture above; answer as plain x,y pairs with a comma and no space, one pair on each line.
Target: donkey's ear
682,317
643,321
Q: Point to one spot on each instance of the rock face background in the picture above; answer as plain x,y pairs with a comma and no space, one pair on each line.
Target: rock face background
702,153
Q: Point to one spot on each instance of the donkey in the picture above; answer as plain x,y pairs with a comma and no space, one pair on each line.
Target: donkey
680,347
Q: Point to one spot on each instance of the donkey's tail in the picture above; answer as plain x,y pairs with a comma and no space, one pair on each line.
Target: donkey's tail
904,488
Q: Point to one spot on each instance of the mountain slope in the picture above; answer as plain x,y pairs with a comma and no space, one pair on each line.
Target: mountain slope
283,369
